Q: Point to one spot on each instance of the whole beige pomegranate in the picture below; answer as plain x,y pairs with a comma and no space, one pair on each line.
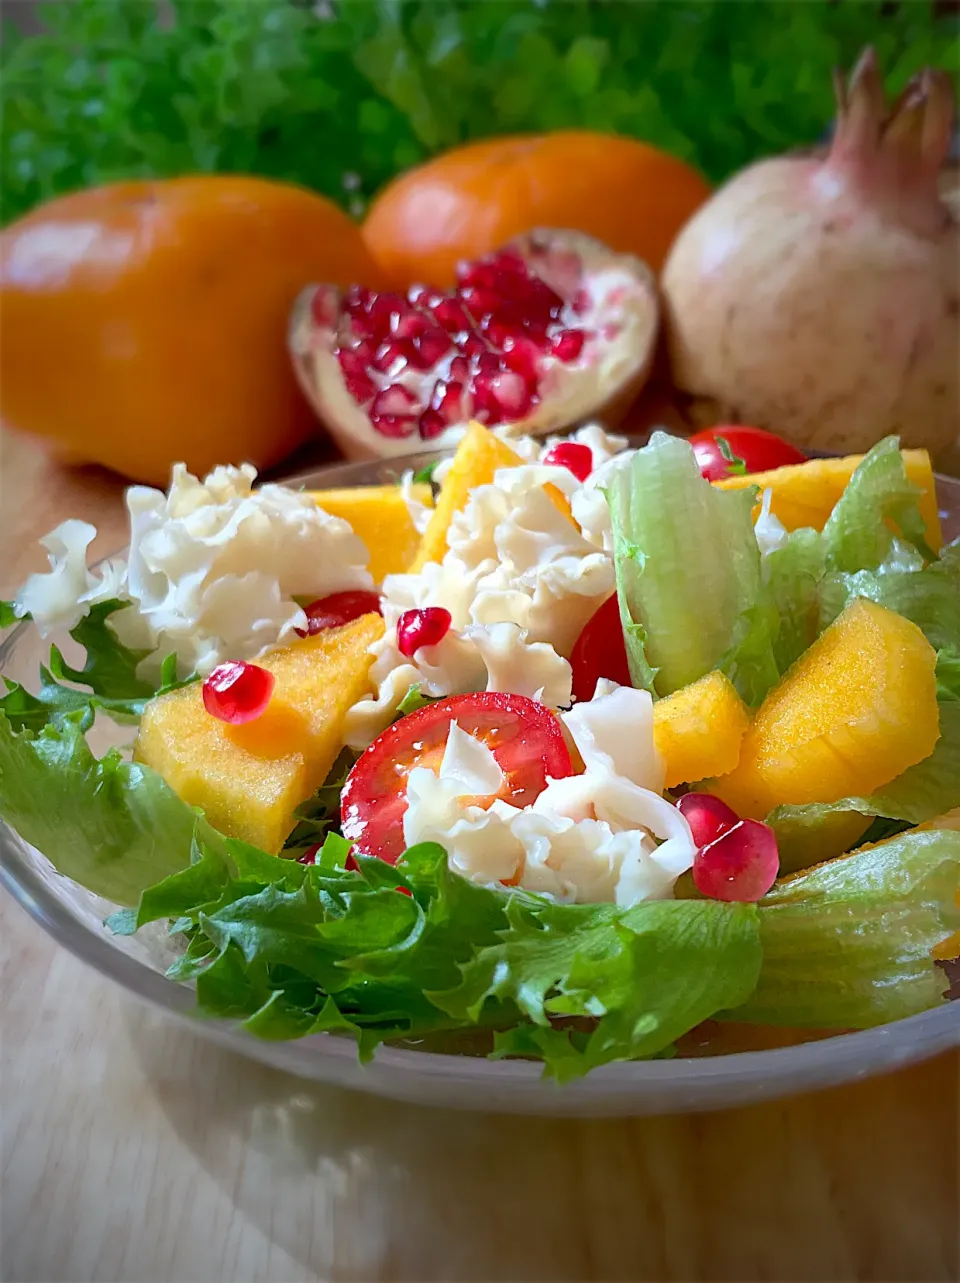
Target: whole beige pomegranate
820,297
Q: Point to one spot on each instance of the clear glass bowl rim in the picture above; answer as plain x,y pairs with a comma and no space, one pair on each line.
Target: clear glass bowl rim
511,1085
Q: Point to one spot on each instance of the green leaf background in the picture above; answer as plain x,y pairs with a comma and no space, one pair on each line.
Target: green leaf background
342,95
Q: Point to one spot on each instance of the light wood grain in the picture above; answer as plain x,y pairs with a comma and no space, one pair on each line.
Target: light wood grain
132,1150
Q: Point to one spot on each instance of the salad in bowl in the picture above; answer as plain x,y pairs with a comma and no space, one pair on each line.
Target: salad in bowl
558,751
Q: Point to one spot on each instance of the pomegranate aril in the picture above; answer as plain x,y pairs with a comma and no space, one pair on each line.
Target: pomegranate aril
450,316
481,302
426,627
358,382
394,400
393,354
360,387
572,455
394,425
459,370
447,402
337,609
740,865
356,300
325,307
581,302
474,345
567,345
238,692
382,316
481,274
502,396
522,355
411,325
707,816
309,856
432,345
431,424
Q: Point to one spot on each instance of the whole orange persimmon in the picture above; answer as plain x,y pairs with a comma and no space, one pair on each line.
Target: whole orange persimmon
145,322
468,201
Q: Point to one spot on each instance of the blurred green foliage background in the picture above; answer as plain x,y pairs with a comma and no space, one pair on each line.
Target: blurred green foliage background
340,95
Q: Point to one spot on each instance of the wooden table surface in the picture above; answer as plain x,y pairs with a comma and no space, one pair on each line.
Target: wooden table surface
132,1150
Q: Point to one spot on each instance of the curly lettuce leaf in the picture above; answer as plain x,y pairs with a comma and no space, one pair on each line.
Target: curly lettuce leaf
929,595
878,504
688,574
948,674
848,944
244,87
110,675
641,976
113,826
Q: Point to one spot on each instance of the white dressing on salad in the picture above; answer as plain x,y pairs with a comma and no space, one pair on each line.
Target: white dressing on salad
213,568
605,835
60,597
520,580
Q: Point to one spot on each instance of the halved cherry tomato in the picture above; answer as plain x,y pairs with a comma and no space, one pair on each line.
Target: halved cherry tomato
524,737
759,451
599,651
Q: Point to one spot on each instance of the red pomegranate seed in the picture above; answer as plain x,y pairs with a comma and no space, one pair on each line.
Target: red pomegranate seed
573,456
394,425
411,325
741,864
324,306
522,356
512,395
581,302
473,345
431,424
356,300
481,302
238,692
310,855
567,345
447,400
384,314
394,400
359,384
426,627
393,354
432,344
707,816
540,298
338,609
450,316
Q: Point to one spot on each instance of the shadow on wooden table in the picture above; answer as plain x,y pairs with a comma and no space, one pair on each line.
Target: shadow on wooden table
357,1188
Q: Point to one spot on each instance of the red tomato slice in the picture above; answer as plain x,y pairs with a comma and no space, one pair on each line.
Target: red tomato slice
524,737
759,450
600,651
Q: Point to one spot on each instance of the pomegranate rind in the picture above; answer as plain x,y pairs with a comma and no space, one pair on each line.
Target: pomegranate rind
601,382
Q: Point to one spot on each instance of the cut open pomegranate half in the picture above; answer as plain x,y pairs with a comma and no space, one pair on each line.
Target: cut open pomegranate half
552,329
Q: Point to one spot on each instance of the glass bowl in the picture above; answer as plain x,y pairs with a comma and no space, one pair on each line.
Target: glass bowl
74,918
